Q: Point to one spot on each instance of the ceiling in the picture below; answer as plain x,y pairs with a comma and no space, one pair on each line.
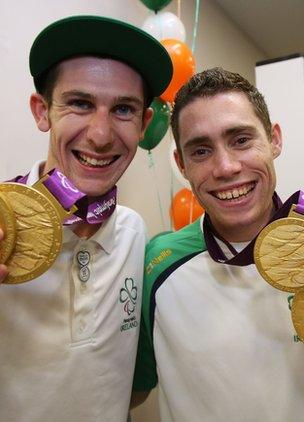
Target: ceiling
275,26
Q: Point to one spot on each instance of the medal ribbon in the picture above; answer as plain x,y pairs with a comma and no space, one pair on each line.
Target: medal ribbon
245,257
67,195
300,205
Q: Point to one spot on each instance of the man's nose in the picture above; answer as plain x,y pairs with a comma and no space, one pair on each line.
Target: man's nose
99,130
226,164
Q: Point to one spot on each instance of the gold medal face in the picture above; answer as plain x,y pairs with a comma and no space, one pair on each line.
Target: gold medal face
297,313
8,225
38,232
279,253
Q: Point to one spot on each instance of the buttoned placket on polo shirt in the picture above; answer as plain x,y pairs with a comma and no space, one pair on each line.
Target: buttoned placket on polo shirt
82,321
83,299
83,259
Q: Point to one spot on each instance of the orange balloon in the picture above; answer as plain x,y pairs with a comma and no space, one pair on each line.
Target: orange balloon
183,66
184,209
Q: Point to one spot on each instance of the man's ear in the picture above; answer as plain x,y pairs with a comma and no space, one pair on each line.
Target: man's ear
40,111
180,163
147,117
276,140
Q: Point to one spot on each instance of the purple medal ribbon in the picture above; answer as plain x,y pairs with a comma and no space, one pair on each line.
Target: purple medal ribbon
300,205
67,195
245,257
63,190
96,212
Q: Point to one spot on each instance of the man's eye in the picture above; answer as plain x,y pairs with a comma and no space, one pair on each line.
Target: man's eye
80,104
242,140
200,152
123,109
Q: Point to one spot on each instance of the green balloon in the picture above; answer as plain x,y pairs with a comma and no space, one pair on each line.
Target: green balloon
155,5
158,126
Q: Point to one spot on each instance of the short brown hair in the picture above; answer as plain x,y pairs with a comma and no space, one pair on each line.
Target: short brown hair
47,82
215,81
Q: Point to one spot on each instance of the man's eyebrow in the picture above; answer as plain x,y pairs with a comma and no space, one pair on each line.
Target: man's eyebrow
235,130
197,140
129,99
76,93
204,139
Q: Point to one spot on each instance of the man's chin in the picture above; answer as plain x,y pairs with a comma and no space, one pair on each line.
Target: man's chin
94,192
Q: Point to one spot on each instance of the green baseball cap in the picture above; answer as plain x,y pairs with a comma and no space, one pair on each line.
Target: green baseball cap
102,36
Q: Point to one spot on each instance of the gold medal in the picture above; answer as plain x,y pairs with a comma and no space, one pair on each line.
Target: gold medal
297,313
8,225
39,219
279,252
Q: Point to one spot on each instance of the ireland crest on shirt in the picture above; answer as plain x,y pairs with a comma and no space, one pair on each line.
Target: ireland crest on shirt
128,299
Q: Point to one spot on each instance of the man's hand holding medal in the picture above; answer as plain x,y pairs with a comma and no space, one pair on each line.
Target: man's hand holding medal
31,219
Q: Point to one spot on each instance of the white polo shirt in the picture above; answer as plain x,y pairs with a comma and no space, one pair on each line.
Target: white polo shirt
68,347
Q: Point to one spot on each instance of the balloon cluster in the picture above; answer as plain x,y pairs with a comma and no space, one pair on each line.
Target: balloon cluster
169,30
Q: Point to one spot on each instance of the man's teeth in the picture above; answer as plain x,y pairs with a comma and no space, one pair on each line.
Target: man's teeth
92,161
235,193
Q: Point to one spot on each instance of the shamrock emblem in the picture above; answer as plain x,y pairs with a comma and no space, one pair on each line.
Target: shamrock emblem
128,295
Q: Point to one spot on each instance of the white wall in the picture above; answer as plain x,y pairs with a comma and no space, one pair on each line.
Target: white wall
282,84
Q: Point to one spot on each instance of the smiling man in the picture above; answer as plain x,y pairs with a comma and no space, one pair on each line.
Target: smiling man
69,336
216,337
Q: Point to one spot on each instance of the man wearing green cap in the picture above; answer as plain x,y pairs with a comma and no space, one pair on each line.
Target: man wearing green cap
69,336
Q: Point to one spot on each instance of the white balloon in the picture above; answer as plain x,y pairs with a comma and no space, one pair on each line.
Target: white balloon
164,25
184,182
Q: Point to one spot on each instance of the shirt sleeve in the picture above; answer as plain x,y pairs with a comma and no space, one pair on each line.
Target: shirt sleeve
145,376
